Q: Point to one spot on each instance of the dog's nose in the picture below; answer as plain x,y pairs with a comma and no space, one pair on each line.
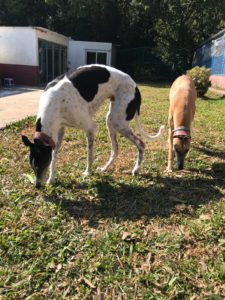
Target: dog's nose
181,166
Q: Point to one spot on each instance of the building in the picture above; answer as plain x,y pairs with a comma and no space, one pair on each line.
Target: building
36,55
82,52
32,55
211,54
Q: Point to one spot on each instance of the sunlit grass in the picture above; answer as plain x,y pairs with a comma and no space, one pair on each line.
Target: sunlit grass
114,236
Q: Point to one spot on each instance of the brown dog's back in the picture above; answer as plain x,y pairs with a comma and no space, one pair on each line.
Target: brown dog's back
182,101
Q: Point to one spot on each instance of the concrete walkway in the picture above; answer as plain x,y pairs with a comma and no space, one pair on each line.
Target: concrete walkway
17,103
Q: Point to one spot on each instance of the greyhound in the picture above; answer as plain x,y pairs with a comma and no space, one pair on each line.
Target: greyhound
182,98
71,100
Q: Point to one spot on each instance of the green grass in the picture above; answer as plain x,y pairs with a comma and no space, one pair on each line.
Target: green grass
114,236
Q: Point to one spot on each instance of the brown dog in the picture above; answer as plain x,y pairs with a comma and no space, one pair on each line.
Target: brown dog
182,98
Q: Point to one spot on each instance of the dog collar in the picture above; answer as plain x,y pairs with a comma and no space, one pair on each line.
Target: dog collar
181,132
44,138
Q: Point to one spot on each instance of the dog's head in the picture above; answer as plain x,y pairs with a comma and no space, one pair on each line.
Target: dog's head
181,144
40,158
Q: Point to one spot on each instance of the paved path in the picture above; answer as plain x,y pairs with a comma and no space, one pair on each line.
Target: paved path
18,103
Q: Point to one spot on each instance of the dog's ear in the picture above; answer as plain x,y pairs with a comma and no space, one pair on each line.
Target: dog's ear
40,143
26,141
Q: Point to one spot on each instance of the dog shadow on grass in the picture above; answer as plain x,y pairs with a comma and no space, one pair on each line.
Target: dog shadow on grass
158,196
212,152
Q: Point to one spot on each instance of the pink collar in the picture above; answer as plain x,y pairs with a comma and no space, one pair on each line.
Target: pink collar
181,132
46,139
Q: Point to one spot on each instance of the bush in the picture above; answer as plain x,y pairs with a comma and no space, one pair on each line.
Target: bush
200,76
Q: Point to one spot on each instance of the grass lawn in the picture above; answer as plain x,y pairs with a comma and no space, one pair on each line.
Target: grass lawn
114,236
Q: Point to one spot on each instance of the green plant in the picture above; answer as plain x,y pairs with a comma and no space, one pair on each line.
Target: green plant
200,76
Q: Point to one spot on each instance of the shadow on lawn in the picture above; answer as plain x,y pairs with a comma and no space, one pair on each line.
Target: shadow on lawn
212,152
160,196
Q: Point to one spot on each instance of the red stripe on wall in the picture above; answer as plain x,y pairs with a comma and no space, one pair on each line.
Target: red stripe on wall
217,81
27,75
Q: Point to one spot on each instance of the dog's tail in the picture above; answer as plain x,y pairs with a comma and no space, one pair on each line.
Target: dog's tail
145,134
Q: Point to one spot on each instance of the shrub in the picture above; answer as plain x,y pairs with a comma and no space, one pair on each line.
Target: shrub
200,76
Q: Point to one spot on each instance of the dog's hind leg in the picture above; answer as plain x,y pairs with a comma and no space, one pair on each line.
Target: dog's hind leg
114,145
90,134
127,132
51,178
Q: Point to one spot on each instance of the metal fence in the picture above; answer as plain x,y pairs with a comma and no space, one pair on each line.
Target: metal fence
212,55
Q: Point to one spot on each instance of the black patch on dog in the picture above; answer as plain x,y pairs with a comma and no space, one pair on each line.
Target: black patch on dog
134,105
86,80
54,82
40,158
38,125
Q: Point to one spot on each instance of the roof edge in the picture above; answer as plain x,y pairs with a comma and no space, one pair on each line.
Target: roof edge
215,36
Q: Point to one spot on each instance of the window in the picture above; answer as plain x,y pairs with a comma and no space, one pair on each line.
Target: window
91,58
96,57
52,60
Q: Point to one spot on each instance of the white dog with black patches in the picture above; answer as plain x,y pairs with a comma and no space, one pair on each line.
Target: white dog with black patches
71,100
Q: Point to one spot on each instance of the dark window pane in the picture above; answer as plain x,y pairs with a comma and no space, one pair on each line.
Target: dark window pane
101,58
91,57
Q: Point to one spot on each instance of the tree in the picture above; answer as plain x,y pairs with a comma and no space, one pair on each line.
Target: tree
23,13
181,25
173,28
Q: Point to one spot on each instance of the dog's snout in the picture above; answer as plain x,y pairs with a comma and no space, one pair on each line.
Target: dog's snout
180,160
38,184
180,166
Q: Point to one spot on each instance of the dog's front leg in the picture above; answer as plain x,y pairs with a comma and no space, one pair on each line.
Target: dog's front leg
170,144
51,178
90,152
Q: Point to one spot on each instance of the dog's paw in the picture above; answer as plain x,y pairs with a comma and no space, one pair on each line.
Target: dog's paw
86,174
51,181
101,169
135,171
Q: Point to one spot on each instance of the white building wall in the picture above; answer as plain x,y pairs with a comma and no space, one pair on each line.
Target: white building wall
77,52
18,46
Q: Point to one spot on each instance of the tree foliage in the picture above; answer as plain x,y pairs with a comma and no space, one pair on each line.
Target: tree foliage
173,28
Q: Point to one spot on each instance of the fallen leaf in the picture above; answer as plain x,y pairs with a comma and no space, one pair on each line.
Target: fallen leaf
29,177
87,282
126,236
58,268
205,217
